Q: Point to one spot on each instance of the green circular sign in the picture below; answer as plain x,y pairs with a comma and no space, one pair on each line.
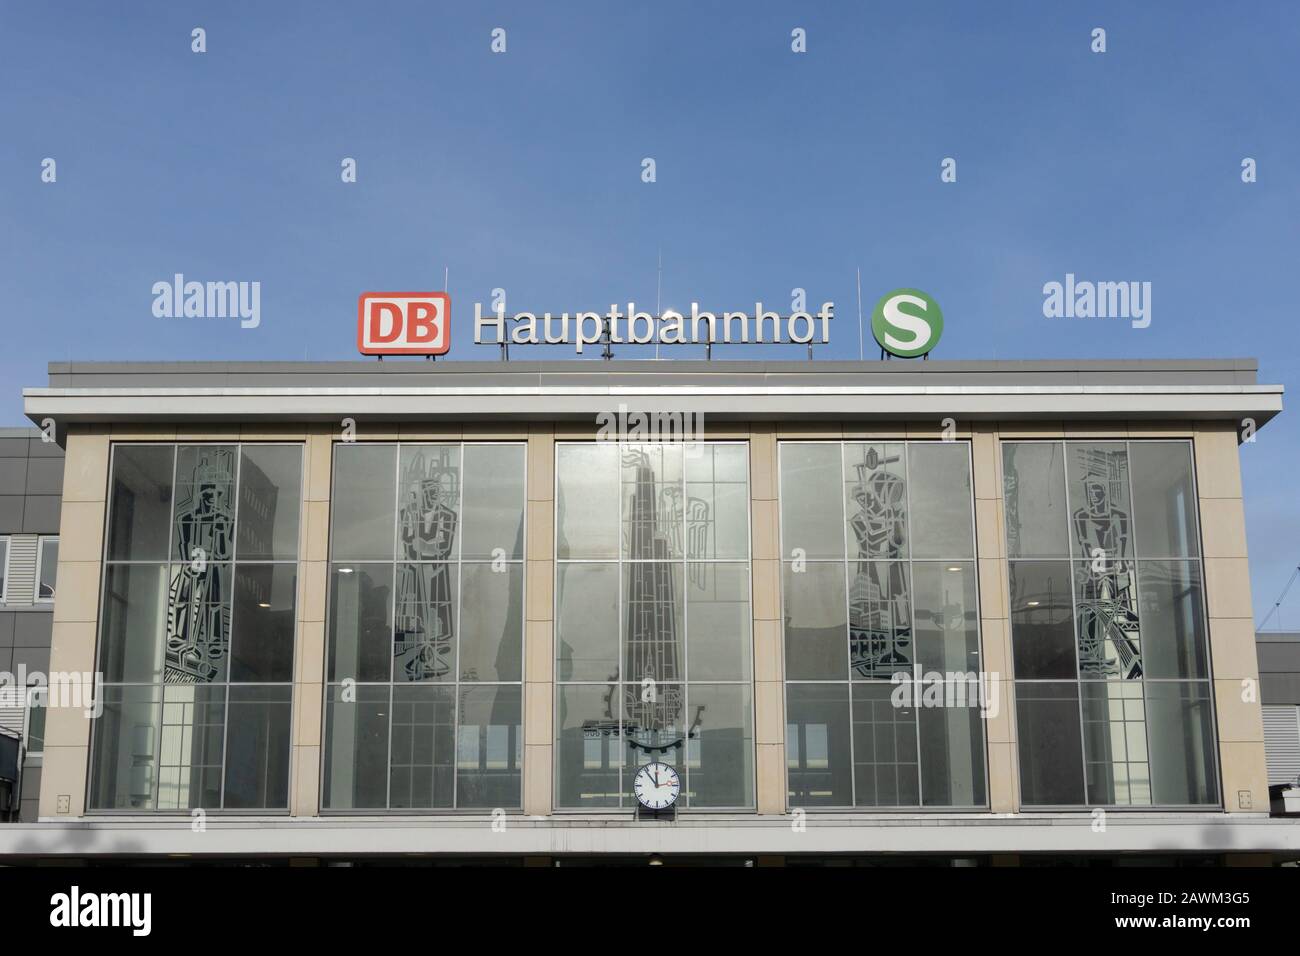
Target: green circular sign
907,322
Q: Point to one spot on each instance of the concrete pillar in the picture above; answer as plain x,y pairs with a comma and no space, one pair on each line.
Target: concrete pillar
1240,723
769,655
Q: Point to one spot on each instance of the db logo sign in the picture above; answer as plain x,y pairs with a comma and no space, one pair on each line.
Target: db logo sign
403,323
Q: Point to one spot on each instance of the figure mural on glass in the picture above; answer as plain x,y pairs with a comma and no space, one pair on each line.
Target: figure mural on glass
423,629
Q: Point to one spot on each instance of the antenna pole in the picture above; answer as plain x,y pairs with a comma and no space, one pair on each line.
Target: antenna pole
659,286
860,355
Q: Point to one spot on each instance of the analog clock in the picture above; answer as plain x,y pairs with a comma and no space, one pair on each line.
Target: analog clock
657,786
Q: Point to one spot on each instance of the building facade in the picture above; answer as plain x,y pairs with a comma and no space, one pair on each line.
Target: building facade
31,483
956,610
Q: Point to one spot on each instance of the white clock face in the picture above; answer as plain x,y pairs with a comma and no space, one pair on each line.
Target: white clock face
657,786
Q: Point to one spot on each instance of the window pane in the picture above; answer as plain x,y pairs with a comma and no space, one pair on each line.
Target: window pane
589,747
356,747
424,623
423,735
876,500
1115,744
140,501
428,503
1163,500
1033,484
263,626
134,622
494,501
653,511
816,622
720,767
586,500
189,754
48,570
125,770
717,520
257,748
491,622
1100,514
1051,757
812,518
947,616
939,488
1173,619
587,621
362,522
884,747
880,619
718,619
653,633
270,492
4,564
1105,606
361,622
654,729
198,623
490,747
818,757
1042,620
952,746
1182,743
203,519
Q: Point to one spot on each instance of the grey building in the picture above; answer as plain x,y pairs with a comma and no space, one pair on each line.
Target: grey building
31,488
1279,693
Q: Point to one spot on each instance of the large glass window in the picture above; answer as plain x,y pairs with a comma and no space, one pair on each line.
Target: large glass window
425,627
47,567
653,651
1108,628
197,627
881,619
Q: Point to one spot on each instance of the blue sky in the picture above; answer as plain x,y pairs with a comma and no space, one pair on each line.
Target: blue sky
775,170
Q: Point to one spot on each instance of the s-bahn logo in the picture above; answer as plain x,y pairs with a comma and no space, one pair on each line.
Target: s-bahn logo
907,323
403,323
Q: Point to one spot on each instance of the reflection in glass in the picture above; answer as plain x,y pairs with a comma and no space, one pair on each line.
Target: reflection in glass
1181,727
1173,619
262,625
420,770
720,750
947,616
489,747
939,489
589,745
189,753
360,625
586,621
356,747
1042,620
658,523
134,621
124,774
812,520
270,478
257,748
140,498
587,500
1033,482
493,502
816,622
876,500
1115,744
952,742
491,622
819,764
653,633
362,496
1050,746
717,609
1164,502
885,772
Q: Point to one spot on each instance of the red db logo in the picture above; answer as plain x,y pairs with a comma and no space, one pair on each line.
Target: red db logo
403,323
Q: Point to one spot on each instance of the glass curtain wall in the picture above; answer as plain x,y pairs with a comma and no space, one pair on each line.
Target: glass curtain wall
1108,627
652,621
425,626
881,625
197,627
